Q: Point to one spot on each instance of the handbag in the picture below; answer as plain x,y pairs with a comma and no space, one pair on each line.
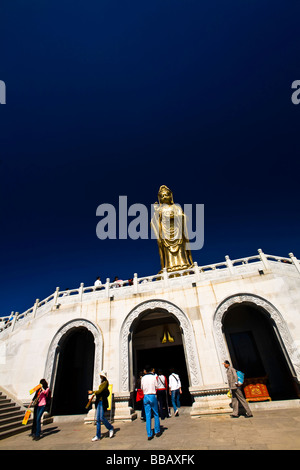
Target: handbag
139,394
36,399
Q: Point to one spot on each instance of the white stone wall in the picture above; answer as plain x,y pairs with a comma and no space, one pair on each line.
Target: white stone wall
27,342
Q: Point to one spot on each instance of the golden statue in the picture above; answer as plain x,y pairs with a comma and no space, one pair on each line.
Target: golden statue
169,226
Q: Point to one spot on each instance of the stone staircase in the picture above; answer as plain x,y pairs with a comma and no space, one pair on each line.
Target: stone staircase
11,417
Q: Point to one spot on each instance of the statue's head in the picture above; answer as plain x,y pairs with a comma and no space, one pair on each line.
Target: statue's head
165,195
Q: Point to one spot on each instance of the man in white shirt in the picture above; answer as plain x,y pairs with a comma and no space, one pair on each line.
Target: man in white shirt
175,391
149,386
98,283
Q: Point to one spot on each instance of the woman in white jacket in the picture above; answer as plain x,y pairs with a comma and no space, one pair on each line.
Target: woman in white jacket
175,391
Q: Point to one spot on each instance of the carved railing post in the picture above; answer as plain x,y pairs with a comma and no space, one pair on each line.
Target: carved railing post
56,295
35,307
264,259
135,283
229,264
107,287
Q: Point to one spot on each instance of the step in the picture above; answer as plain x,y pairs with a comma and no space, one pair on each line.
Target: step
14,431
12,419
11,413
9,407
5,402
13,425
4,398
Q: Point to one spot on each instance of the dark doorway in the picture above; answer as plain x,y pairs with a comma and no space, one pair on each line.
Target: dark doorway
255,349
247,354
148,348
74,376
165,358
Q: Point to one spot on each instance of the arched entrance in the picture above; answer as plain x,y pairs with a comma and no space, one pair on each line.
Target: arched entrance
73,363
74,376
157,341
253,332
150,319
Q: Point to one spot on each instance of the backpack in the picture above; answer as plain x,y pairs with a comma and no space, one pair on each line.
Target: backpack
240,376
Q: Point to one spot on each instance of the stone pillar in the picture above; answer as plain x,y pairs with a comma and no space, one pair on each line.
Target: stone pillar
13,321
81,291
229,264
35,307
55,296
107,287
210,401
135,283
264,259
295,261
165,277
122,409
197,272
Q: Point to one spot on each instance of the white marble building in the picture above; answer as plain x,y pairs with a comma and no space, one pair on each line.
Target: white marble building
246,310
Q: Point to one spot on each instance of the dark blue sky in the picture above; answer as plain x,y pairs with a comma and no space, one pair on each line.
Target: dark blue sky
109,97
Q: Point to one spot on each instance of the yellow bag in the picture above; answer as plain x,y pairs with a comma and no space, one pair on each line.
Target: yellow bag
229,394
26,417
35,389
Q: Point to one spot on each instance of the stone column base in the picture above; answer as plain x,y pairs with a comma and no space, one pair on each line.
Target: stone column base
122,409
210,401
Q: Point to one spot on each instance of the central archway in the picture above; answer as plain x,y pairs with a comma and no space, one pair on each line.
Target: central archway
187,334
157,341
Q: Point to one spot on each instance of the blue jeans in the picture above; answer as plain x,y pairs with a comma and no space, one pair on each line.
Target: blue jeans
100,418
39,413
175,397
150,403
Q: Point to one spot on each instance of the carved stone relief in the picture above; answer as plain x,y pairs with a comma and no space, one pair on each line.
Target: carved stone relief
192,360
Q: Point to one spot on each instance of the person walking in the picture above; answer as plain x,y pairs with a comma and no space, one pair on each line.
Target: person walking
39,409
236,392
175,391
101,406
149,386
161,394
34,405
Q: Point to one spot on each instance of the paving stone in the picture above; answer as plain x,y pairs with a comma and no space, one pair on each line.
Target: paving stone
275,430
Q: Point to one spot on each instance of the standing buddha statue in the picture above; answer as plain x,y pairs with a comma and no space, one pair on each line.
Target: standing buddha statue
170,228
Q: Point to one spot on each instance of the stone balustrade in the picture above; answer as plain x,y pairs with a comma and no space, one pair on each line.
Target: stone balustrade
261,263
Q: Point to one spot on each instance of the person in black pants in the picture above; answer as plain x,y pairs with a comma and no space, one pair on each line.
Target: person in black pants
161,394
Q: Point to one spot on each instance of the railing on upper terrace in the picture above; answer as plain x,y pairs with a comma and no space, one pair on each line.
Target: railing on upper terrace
137,285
